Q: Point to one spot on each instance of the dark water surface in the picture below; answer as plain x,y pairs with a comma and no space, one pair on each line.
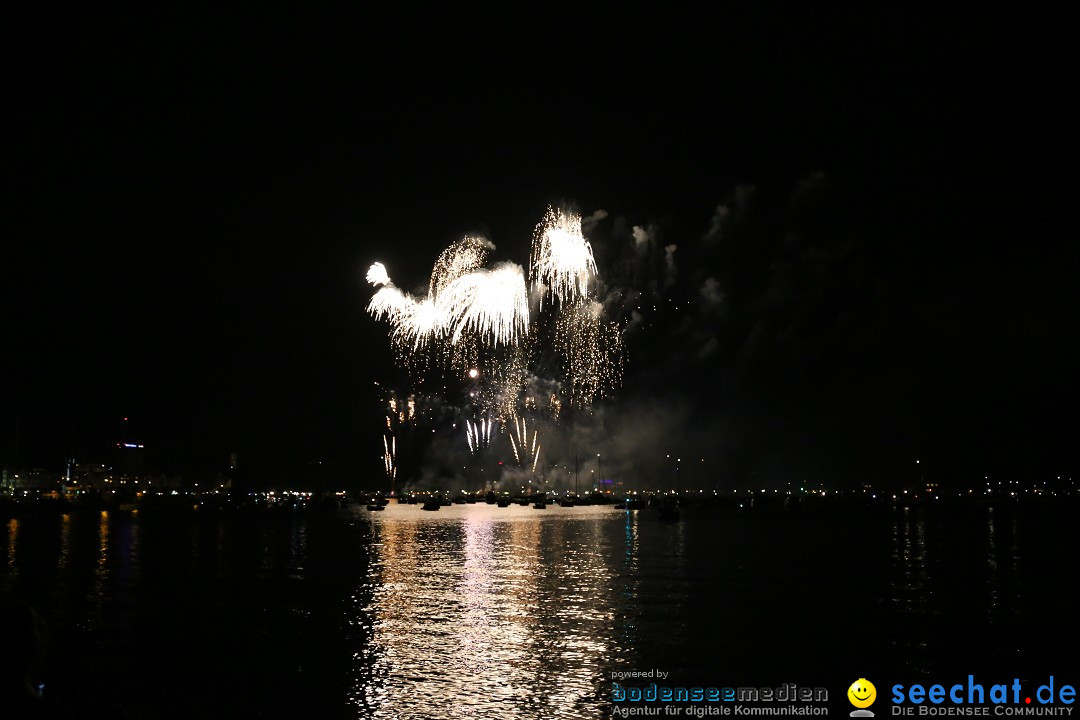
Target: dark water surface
485,612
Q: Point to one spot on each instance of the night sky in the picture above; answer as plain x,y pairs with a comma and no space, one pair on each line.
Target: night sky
193,198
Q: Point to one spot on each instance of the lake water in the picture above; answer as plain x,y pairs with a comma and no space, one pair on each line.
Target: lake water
484,612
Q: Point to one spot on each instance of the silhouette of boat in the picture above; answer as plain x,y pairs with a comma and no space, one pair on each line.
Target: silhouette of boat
431,504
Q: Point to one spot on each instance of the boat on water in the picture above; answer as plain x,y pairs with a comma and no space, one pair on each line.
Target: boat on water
540,505
375,507
503,502
431,504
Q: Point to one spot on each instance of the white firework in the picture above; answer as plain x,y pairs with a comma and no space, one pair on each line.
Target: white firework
464,256
562,259
376,275
491,305
390,456
526,452
478,433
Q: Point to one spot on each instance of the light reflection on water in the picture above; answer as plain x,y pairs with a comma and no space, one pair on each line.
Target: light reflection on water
101,589
487,616
11,573
478,611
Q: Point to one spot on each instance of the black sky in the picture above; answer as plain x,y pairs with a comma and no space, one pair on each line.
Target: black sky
193,197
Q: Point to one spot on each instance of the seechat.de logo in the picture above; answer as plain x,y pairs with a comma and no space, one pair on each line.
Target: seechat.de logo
862,694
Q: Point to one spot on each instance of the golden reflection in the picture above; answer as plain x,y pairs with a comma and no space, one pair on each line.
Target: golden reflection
494,615
630,581
65,542
63,559
584,611
99,590
12,546
12,542
103,545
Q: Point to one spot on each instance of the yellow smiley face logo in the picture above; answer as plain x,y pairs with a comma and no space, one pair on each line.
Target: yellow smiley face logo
862,693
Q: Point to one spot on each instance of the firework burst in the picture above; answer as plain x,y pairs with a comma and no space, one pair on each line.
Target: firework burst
475,322
487,306
562,259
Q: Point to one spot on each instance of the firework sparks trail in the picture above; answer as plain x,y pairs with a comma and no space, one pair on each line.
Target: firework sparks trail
463,257
562,259
519,439
478,434
401,416
592,349
390,457
491,305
